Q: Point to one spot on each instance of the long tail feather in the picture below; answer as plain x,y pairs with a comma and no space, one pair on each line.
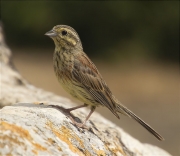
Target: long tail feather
124,110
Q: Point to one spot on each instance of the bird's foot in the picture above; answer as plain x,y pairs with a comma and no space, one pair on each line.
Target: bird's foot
67,112
81,125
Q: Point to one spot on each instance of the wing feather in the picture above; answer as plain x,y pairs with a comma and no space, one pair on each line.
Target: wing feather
86,74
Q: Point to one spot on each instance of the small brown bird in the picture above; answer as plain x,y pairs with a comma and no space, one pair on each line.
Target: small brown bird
79,76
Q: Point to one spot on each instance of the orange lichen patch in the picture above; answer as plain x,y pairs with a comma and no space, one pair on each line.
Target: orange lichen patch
65,135
59,148
100,153
11,140
51,141
39,147
16,129
115,149
35,152
22,133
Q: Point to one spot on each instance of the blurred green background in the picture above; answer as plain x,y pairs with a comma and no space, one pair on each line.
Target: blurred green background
111,29
135,45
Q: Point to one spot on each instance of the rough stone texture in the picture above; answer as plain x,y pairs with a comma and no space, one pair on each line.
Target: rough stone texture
34,128
29,130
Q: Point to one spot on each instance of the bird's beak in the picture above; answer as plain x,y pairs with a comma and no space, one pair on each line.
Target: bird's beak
51,33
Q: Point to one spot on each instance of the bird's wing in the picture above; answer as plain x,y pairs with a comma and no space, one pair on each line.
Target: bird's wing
86,74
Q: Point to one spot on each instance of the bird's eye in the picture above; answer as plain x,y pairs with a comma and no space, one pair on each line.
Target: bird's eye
64,32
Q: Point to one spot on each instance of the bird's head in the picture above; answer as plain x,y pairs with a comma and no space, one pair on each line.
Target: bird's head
64,36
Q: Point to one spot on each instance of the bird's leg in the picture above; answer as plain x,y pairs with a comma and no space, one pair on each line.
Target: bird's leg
67,110
71,117
82,125
77,107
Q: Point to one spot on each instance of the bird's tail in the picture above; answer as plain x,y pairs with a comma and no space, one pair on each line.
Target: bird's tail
122,109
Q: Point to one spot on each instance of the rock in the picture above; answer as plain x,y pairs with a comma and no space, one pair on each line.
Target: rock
29,126
35,130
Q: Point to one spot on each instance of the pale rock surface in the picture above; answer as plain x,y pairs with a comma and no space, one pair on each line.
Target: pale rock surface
33,128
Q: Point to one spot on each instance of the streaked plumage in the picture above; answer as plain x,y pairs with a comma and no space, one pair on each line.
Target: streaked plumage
79,76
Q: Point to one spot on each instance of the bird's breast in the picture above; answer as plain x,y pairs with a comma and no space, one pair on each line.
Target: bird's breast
63,67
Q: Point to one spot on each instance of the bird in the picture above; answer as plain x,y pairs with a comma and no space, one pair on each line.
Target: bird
79,76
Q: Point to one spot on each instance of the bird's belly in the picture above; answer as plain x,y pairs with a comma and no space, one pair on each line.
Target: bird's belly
78,92
73,88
